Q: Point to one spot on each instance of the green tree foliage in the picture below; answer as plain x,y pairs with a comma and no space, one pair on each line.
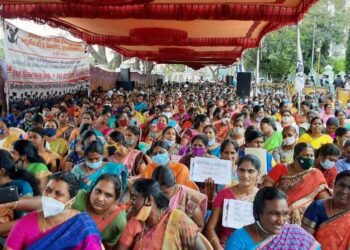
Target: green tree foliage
347,56
279,50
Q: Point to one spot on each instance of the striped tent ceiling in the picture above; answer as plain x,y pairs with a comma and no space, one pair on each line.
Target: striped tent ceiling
192,32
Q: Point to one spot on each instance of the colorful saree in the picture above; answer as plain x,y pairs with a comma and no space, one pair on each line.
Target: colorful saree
291,237
302,189
274,141
335,232
81,226
187,200
111,224
179,227
88,181
316,143
180,171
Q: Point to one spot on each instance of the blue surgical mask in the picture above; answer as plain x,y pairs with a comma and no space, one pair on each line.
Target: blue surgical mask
50,132
211,142
128,142
161,159
170,143
94,165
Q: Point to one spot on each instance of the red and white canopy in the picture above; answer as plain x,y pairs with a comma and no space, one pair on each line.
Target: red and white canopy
192,32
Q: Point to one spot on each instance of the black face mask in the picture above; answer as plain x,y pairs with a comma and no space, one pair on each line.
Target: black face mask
111,150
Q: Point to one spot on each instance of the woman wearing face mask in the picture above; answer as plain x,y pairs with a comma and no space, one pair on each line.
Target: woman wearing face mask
236,133
54,225
102,122
315,136
191,202
271,230
57,145
26,156
160,157
24,181
257,115
132,138
88,172
198,125
157,126
102,204
284,154
287,120
199,148
326,158
122,121
247,170
213,145
116,151
37,137
329,220
155,226
169,137
300,180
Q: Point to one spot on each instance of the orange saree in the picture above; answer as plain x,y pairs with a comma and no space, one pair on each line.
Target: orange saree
302,189
335,232
181,173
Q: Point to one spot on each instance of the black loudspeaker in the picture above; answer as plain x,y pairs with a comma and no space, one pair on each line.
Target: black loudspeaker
229,80
243,84
126,85
159,84
124,75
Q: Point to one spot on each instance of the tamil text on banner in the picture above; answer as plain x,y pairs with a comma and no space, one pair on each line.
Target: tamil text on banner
43,68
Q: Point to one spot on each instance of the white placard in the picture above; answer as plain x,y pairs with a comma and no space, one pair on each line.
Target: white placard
237,214
219,170
261,154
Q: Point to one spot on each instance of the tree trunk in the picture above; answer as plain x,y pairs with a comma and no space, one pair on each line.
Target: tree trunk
214,72
147,67
99,55
136,65
116,61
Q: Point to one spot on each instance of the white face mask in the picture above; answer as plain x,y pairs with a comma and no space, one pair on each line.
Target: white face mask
327,164
238,130
289,141
286,119
168,114
51,206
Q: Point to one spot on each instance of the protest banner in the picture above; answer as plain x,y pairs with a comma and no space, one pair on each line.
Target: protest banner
41,68
202,168
237,214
